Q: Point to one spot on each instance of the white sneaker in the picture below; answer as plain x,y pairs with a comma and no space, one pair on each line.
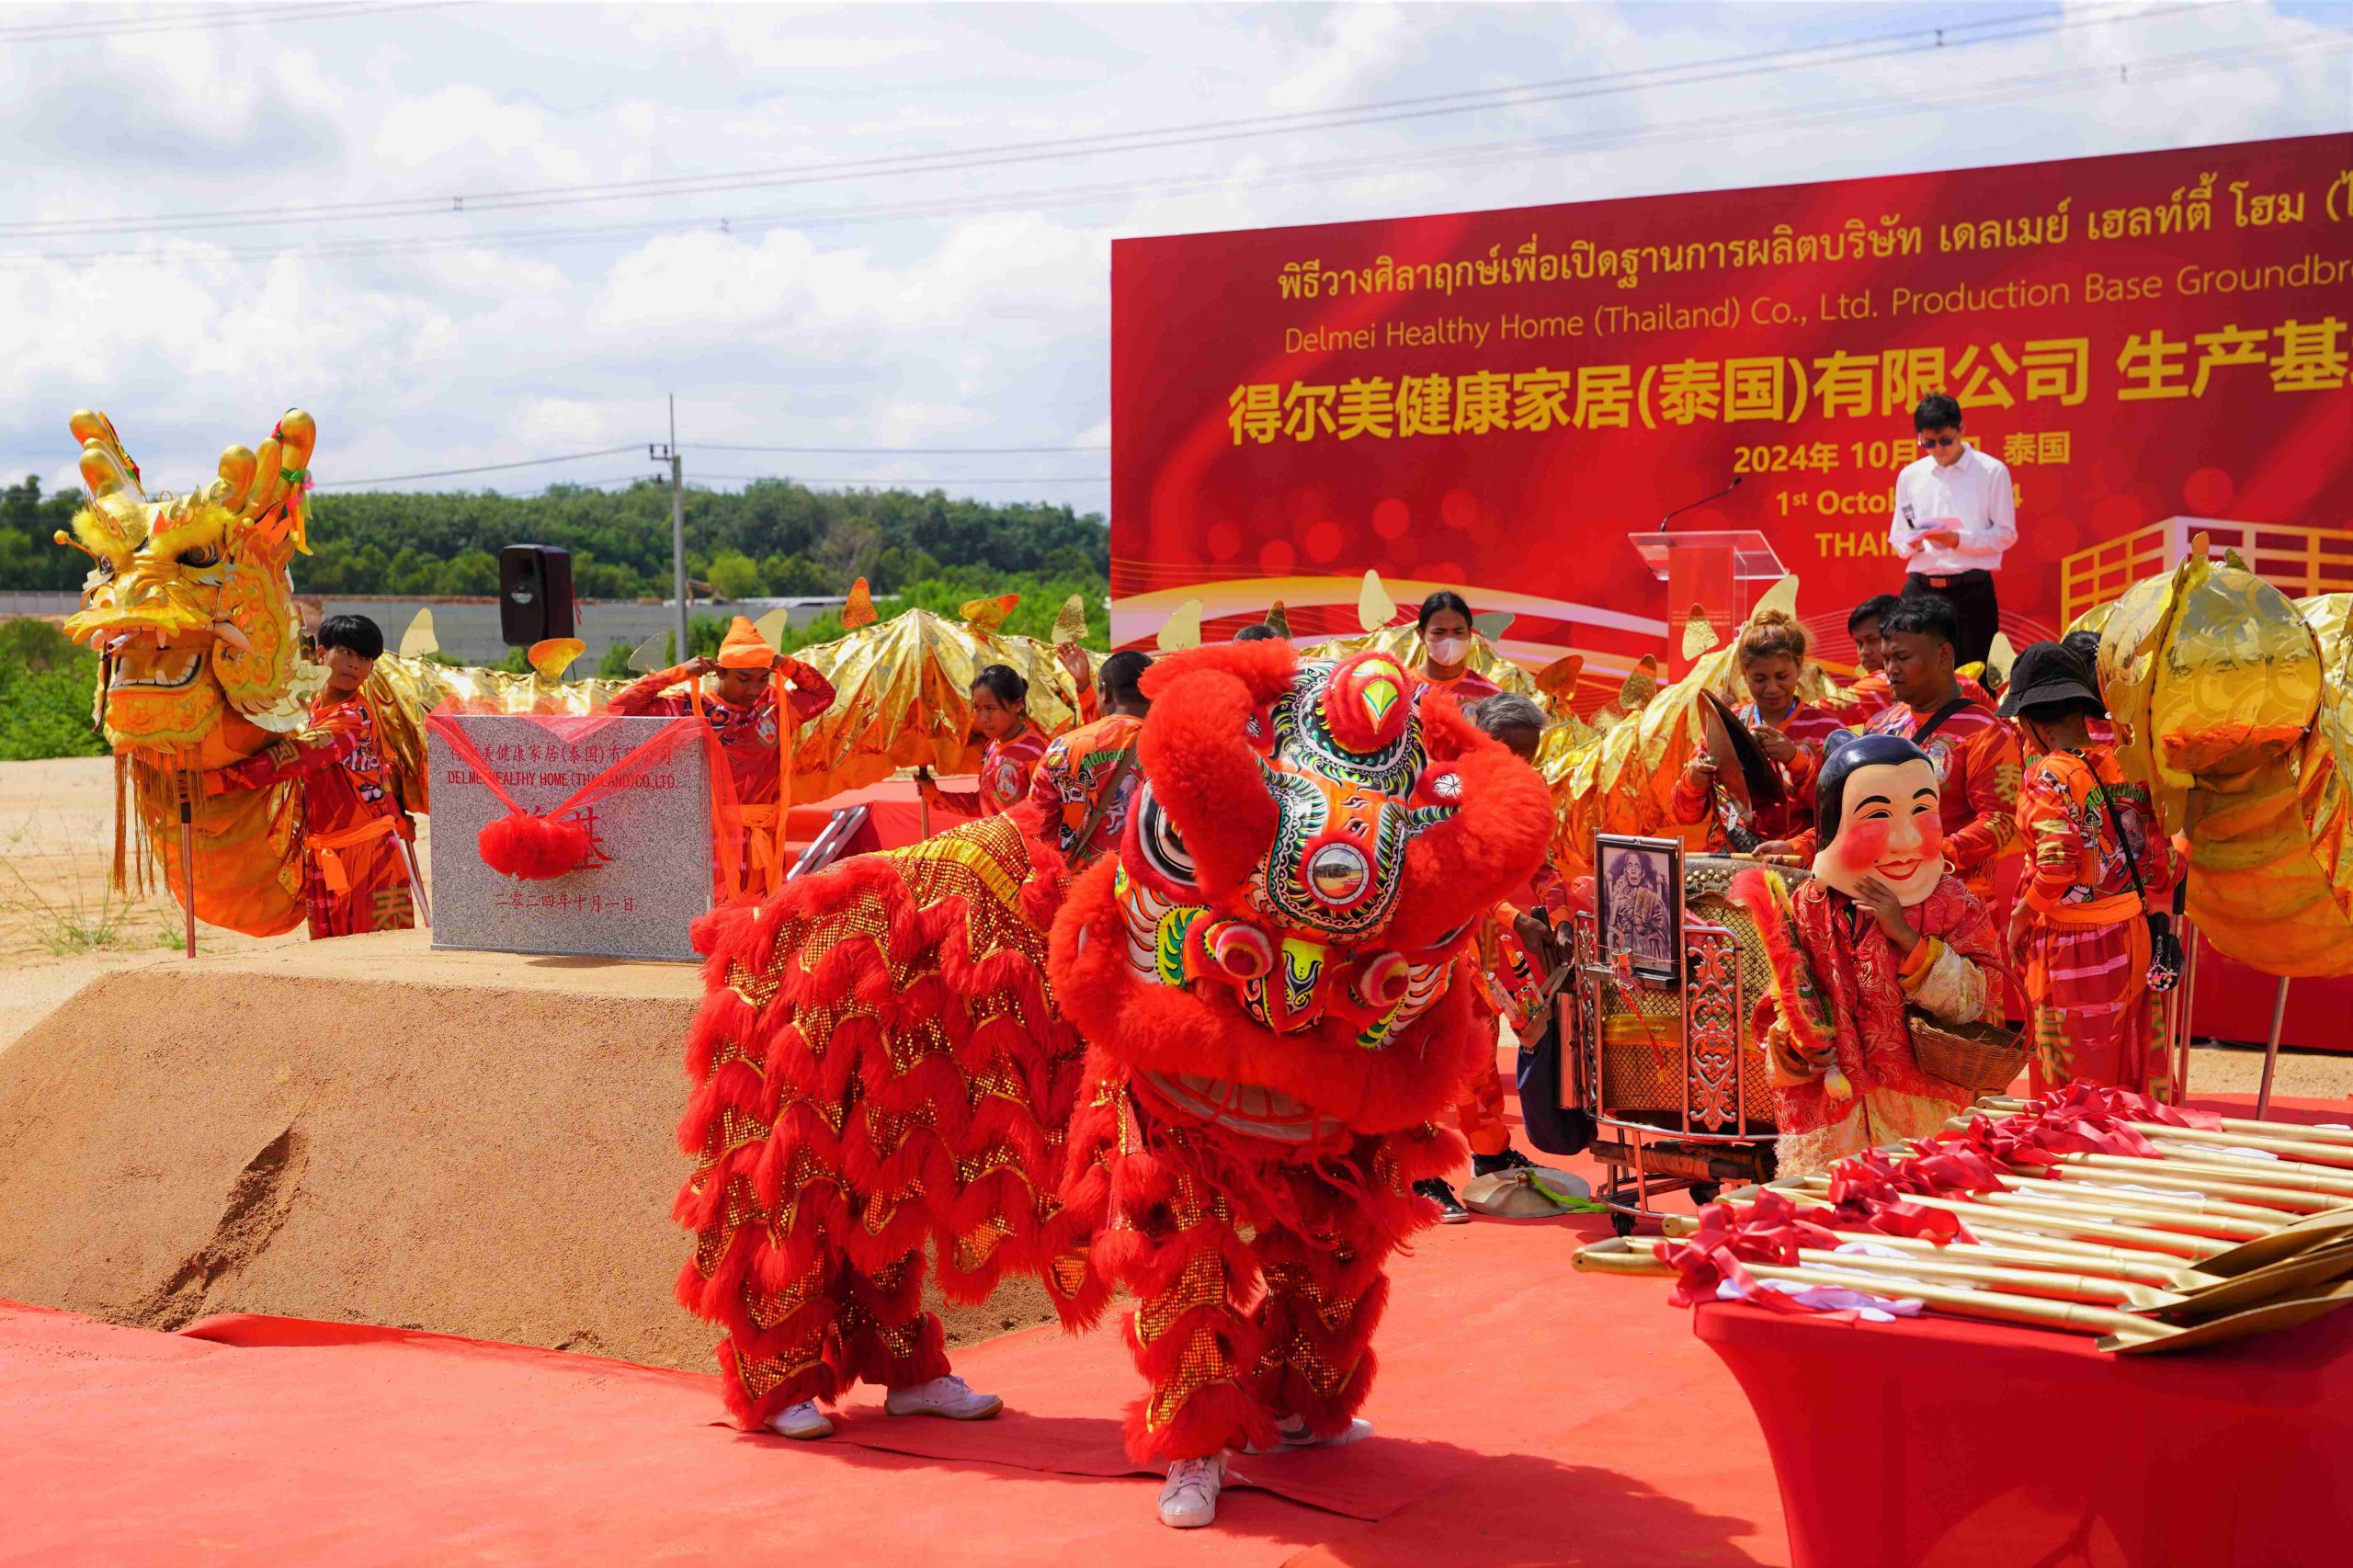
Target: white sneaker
1189,1500
802,1421
1292,1432
945,1397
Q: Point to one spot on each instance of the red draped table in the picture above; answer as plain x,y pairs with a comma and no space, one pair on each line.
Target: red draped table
1934,1441
894,816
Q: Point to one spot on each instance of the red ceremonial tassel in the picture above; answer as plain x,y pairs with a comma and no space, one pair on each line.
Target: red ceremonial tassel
522,844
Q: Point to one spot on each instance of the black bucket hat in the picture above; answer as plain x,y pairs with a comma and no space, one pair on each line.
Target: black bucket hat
2049,674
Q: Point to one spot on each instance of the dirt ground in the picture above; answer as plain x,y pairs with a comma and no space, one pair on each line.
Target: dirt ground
61,925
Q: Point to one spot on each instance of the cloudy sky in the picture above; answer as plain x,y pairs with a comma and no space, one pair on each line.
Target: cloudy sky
481,233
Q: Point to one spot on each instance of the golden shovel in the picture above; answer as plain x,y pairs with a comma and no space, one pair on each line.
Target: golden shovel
2008,1105
2122,1332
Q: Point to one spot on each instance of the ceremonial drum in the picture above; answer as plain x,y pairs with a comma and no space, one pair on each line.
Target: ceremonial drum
1673,1072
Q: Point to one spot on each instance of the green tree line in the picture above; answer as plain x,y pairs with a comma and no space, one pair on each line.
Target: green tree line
772,538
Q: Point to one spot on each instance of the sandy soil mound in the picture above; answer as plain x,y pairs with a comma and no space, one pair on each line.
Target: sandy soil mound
364,1129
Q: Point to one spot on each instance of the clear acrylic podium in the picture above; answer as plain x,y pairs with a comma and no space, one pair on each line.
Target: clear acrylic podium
1705,567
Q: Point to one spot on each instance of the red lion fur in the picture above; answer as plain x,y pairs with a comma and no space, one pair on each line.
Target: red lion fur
983,1080
1207,777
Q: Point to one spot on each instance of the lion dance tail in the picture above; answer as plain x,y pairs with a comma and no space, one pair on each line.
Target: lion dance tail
877,1064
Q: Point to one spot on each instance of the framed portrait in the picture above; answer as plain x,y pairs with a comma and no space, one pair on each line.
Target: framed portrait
1637,895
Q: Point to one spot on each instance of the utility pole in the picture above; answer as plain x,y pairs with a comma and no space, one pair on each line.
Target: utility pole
669,454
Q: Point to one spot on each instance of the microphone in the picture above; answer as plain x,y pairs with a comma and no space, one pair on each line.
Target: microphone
1737,481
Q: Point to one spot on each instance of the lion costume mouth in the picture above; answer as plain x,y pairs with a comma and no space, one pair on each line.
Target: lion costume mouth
170,669
1248,1108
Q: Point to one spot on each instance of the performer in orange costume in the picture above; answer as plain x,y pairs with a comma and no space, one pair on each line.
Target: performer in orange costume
1862,701
1262,981
1974,753
1882,925
355,871
1444,622
742,706
1001,713
2100,862
1087,777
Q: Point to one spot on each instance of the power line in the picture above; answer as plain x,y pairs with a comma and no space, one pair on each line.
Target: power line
904,483
1609,83
194,21
2130,74
478,468
923,451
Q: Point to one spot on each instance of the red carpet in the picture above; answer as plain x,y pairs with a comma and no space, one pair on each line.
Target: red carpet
1527,1414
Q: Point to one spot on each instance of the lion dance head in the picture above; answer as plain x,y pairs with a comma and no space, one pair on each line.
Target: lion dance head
1309,851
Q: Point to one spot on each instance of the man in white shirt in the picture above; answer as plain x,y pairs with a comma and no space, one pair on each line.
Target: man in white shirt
1954,517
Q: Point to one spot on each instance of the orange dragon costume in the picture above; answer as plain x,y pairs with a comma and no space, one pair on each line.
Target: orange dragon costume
1242,1018
190,606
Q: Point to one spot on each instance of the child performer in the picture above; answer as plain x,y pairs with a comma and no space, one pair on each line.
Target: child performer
742,706
1506,966
1881,926
1001,713
1974,753
1790,733
2098,861
356,868
1863,699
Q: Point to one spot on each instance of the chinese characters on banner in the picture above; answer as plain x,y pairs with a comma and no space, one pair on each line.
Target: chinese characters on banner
1493,400
648,872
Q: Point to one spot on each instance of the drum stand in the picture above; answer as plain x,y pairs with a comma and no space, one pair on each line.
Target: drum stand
1711,1143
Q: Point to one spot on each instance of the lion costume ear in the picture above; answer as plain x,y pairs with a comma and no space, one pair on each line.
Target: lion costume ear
266,497
1265,667
1197,751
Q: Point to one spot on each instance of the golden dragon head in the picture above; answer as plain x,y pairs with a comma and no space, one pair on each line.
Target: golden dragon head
188,599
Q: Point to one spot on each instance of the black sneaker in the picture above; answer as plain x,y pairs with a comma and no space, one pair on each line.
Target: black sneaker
1450,1208
1509,1159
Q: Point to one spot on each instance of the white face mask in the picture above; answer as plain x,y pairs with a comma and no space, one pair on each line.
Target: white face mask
1449,650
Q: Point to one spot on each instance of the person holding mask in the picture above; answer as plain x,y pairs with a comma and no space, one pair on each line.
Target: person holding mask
1446,638
1000,714
1955,514
1790,733
1974,753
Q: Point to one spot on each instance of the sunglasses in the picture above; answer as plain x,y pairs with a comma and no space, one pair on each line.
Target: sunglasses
1927,441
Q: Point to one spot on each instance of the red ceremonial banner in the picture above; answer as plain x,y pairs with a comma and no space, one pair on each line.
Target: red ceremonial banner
2154,344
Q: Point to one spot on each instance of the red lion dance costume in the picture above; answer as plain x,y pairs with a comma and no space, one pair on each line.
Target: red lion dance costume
1258,980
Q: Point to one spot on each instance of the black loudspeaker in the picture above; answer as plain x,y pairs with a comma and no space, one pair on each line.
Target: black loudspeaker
534,594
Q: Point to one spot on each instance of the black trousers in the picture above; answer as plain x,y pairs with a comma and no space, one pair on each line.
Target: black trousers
1971,593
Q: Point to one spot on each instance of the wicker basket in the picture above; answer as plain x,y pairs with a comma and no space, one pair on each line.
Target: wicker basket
1982,1057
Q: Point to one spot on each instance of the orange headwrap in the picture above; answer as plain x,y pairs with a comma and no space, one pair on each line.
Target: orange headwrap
743,650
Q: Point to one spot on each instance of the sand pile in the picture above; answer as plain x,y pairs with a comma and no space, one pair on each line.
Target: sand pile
367,1130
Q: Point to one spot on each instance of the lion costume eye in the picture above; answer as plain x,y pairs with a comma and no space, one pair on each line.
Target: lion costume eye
199,556
1162,846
